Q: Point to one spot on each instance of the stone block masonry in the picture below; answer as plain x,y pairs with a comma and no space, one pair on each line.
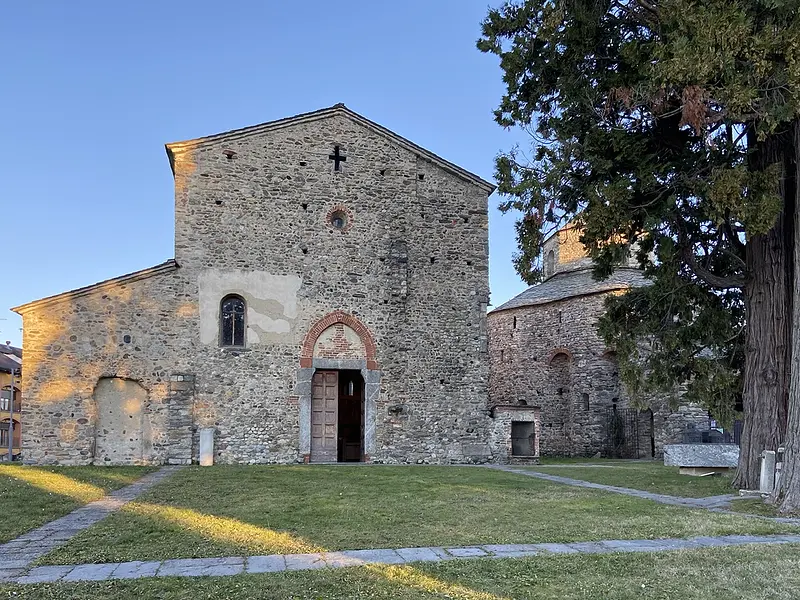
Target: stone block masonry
396,238
545,352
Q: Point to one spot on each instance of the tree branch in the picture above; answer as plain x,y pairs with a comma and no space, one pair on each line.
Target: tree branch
717,281
649,7
737,243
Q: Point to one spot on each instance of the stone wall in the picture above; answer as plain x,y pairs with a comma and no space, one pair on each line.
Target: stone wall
253,218
550,356
129,331
503,418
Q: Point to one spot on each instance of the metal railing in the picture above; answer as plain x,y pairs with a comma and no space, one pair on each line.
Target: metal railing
696,435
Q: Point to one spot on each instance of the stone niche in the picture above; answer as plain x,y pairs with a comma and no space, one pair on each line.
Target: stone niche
515,433
122,435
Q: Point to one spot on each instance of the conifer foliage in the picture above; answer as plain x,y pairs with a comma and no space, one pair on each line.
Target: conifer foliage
669,127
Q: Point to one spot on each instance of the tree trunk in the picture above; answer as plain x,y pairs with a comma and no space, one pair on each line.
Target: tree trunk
788,493
765,371
768,302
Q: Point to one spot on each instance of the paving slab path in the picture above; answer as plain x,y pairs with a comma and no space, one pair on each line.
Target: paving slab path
709,502
719,504
17,555
274,563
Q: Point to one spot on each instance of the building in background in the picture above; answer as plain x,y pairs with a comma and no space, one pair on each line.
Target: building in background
10,370
547,357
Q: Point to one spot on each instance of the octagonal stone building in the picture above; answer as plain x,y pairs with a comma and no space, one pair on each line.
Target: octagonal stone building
547,360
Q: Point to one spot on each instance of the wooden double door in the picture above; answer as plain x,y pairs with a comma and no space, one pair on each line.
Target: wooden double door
337,416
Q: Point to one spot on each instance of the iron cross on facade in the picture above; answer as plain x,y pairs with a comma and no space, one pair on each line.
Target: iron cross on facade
336,158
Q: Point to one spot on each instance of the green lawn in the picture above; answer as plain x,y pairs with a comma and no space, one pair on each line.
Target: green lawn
220,511
32,496
741,573
754,506
647,476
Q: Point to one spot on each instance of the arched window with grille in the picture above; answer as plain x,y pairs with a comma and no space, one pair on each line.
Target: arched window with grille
232,321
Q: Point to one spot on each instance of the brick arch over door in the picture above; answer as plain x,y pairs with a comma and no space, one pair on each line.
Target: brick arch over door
338,316
368,366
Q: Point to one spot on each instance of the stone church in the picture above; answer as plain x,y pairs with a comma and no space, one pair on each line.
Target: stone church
546,356
326,302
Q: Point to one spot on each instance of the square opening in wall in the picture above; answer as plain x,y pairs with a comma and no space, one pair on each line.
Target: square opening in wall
523,438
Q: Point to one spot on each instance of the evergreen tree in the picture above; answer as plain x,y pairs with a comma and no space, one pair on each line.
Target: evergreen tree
671,125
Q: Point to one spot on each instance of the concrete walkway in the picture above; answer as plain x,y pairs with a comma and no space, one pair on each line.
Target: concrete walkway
18,554
274,563
719,504
709,502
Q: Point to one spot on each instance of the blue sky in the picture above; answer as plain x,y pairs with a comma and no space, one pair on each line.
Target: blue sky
91,91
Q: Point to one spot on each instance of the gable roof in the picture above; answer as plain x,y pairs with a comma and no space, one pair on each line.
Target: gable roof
10,358
571,284
164,267
324,113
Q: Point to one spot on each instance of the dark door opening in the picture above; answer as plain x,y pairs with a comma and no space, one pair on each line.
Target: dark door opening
523,438
350,446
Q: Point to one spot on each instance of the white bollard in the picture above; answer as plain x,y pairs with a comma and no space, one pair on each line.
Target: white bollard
767,480
207,447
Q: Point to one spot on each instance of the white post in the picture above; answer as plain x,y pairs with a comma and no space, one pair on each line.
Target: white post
207,447
767,481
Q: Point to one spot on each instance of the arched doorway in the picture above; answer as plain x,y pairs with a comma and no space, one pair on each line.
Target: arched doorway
337,387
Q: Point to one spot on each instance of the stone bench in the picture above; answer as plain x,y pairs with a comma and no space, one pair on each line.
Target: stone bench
701,459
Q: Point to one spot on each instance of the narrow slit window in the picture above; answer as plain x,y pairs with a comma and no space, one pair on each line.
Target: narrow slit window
232,313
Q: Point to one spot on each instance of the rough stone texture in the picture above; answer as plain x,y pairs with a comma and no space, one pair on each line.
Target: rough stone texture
503,418
545,352
701,455
251,218
122,435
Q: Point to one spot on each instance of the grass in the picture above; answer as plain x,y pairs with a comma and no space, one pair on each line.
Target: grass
32,496
221,511
647,476
739,573
754,506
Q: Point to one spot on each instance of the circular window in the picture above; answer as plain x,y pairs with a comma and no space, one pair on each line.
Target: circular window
339,219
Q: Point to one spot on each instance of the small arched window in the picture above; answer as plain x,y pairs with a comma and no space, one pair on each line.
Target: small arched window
549,263
231,321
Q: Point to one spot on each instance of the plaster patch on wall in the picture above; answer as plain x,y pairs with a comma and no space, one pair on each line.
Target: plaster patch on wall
123,435
271,303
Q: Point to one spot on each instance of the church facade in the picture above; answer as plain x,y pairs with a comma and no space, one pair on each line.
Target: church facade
326,302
